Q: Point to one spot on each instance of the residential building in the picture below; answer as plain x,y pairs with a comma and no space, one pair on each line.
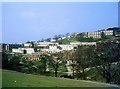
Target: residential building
117,33
66,47
94,35
51,48
23,50
27,45
97,34
43,44
82,43
52,40
88,43
33,56
75,43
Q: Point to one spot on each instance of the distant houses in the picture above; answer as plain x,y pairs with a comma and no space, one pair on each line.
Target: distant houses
33,50
97,34
23,50
50,47
46,47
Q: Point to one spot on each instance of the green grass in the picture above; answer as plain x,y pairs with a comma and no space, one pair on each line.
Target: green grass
0,78
16,79
64,41
94,75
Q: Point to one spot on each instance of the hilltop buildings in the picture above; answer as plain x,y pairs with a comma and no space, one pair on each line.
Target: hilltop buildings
51,47
97,34
46,47
32,50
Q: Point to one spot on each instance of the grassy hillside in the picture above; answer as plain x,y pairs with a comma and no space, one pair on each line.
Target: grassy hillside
0,78
16,79
74,38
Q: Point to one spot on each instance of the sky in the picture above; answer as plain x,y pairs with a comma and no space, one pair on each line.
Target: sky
32,21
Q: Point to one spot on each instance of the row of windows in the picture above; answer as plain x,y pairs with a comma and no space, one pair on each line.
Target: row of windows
31,58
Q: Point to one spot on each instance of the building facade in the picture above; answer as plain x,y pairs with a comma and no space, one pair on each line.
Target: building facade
97,34
23,50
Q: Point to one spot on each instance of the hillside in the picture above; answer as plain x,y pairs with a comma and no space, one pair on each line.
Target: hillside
16,79
81,39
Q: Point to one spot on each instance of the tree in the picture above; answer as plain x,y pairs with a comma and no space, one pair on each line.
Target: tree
48,39
11,62
117,76
71,63
14,63
103,36
33,45
44,59
5,61
28,66
56,60
105,55
83,56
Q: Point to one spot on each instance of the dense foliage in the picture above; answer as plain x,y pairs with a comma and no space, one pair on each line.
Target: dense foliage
86,62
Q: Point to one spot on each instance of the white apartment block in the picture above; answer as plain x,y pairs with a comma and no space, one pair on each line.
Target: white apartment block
94,34
40,44
108,32
27,45
21,50
57,48
50,48
97,34
17,50
88,43
82,43
66,47
75,43
52,40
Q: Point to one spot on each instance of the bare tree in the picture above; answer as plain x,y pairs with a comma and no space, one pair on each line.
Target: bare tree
56,60
106,54
70,58
83,57
44,58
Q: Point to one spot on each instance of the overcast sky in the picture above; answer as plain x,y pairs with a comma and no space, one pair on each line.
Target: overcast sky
31,21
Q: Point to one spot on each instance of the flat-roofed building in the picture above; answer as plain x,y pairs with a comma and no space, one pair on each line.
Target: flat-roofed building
75,43
40,44
97,34
94,34
82,43
23,50
88,43
33,56
66,47
17,50
27,45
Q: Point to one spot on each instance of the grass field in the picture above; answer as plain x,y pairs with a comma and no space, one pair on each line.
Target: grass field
16,79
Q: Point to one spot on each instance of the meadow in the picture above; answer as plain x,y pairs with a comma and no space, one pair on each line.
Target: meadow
17,79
